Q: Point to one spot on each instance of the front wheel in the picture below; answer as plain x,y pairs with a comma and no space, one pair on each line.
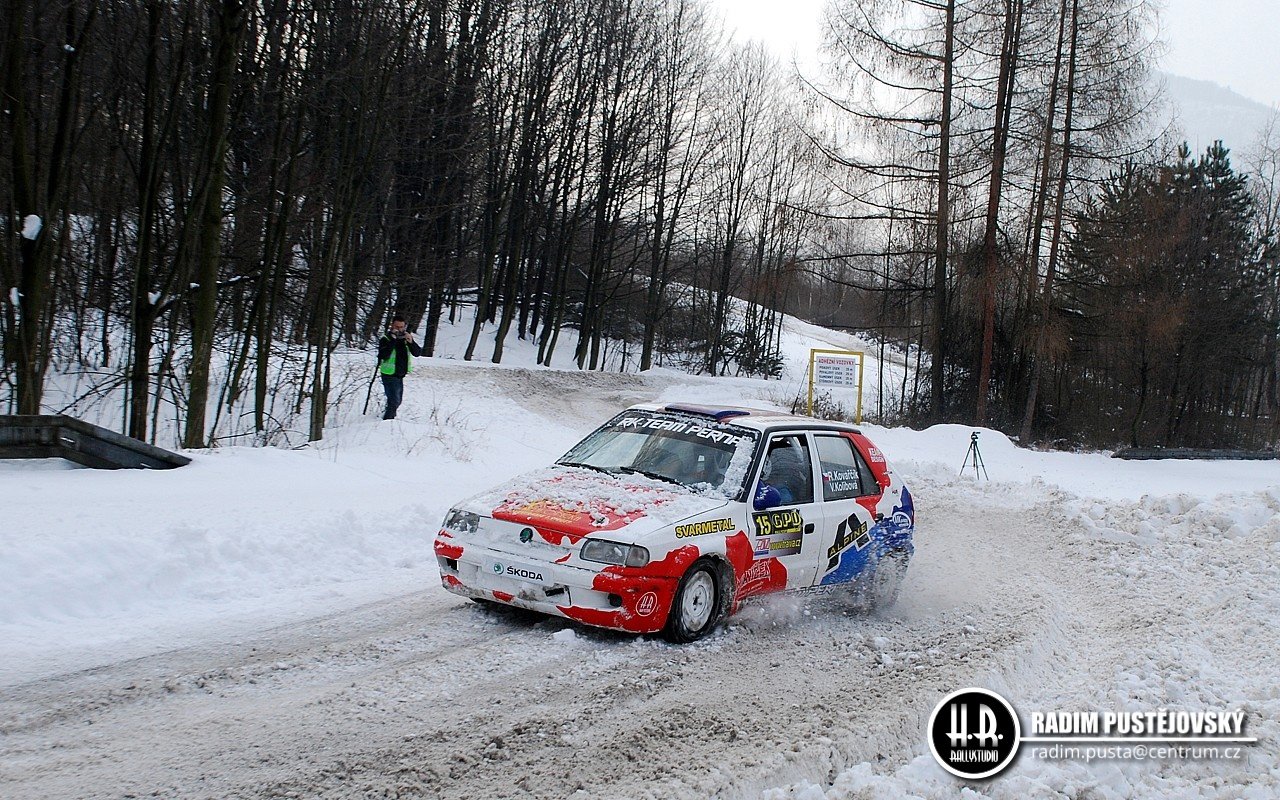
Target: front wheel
697,606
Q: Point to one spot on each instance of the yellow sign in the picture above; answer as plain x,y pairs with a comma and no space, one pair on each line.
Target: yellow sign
839,369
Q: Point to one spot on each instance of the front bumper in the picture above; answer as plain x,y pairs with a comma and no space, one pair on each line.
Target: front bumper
611,597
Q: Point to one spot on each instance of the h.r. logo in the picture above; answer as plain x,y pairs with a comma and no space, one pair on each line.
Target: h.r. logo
982,737
986,735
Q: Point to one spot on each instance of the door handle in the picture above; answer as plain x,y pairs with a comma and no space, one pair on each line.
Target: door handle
808,528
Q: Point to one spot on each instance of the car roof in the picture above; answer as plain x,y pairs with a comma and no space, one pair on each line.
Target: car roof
742,416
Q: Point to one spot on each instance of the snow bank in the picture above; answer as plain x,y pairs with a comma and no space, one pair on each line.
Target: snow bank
942,448
92,560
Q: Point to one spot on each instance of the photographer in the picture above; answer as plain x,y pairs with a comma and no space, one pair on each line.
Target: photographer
394,349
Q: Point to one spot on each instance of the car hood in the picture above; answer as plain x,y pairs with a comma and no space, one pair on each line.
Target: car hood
572,503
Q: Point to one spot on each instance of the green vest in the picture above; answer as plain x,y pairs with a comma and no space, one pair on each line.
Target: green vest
388,366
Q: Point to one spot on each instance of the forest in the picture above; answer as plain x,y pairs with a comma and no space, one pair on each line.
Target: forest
206,200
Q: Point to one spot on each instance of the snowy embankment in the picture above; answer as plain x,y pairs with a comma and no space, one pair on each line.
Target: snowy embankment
279,612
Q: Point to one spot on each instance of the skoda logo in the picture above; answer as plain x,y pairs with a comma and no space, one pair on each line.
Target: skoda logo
497,568
526,535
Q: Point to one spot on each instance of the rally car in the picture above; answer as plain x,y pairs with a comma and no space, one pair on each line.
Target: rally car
668,517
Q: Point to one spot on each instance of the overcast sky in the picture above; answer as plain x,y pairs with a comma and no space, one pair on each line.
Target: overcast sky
1235,43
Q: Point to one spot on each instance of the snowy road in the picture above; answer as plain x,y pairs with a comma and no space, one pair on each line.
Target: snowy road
426,696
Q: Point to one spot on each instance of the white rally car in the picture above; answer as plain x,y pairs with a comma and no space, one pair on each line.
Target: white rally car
668,517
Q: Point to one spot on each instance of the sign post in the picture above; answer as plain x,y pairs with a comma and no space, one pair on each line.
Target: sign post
837,368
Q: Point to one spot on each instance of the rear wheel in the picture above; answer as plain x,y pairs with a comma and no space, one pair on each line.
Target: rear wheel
886,582
697,606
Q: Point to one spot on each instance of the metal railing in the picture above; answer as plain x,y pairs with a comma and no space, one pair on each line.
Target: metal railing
60,436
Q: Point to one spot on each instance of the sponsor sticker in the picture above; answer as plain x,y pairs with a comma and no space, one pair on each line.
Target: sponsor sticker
851,531
786,547
702,528
779,533
757,572
647,604
781,523
686,429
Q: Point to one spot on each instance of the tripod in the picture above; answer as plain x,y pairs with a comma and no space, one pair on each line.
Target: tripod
976,455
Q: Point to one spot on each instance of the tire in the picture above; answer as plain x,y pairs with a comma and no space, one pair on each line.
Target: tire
698,605
884,585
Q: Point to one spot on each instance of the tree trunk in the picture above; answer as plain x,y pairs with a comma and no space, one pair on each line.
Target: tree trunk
990,252
937,365
228,25
1037,364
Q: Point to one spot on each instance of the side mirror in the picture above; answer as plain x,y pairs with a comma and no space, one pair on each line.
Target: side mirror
767,497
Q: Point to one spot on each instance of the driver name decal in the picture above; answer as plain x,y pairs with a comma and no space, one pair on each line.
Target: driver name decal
841,481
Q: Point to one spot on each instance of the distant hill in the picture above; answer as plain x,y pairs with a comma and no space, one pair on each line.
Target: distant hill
1204,111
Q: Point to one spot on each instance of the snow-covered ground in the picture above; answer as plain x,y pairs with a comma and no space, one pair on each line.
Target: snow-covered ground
269,622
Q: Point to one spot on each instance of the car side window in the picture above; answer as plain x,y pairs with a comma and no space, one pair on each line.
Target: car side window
841,478
845,473
789,469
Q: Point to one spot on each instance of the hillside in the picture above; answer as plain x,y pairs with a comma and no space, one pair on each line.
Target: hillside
1204,112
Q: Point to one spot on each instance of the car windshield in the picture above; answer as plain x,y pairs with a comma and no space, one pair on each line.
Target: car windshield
701,454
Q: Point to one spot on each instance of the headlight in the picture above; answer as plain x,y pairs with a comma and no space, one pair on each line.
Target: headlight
605,552
461,521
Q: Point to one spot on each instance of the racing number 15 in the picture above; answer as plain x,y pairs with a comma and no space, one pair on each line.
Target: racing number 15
764,524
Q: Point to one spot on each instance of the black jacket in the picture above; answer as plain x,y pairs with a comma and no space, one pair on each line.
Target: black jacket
402,349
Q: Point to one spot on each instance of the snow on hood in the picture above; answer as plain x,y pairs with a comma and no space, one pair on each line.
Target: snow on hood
578,502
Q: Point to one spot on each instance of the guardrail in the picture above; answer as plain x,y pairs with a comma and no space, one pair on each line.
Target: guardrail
1154,453
60,436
